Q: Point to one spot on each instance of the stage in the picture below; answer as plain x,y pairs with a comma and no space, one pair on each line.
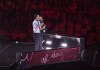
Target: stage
64,52
8,59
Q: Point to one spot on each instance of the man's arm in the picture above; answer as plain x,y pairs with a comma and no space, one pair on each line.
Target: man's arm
35,26
42,26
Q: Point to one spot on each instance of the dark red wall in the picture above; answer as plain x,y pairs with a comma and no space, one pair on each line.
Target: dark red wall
79,18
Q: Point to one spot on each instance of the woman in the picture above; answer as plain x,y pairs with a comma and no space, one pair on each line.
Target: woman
43,26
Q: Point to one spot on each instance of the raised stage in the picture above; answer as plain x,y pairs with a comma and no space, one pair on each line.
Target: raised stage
62,49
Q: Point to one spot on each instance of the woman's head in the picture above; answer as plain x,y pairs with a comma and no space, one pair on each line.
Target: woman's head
41,18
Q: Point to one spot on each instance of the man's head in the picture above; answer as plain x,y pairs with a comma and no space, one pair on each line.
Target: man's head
36,16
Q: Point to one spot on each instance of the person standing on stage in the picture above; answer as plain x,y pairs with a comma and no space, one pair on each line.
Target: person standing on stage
43,27
37,32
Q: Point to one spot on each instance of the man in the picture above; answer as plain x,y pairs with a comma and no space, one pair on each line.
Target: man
37,32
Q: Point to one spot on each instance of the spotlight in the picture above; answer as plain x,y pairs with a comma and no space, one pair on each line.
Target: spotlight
58,36
48,48
43,41
17,42
78,39
64,45
49,42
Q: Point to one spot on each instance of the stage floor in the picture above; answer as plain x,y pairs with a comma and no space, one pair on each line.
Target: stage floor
8,59
8,52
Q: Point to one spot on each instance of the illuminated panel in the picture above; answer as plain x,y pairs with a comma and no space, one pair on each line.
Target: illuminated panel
49,57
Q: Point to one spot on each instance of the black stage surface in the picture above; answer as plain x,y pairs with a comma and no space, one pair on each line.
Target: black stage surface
8,59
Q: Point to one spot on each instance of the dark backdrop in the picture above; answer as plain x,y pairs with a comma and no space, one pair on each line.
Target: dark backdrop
78,18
